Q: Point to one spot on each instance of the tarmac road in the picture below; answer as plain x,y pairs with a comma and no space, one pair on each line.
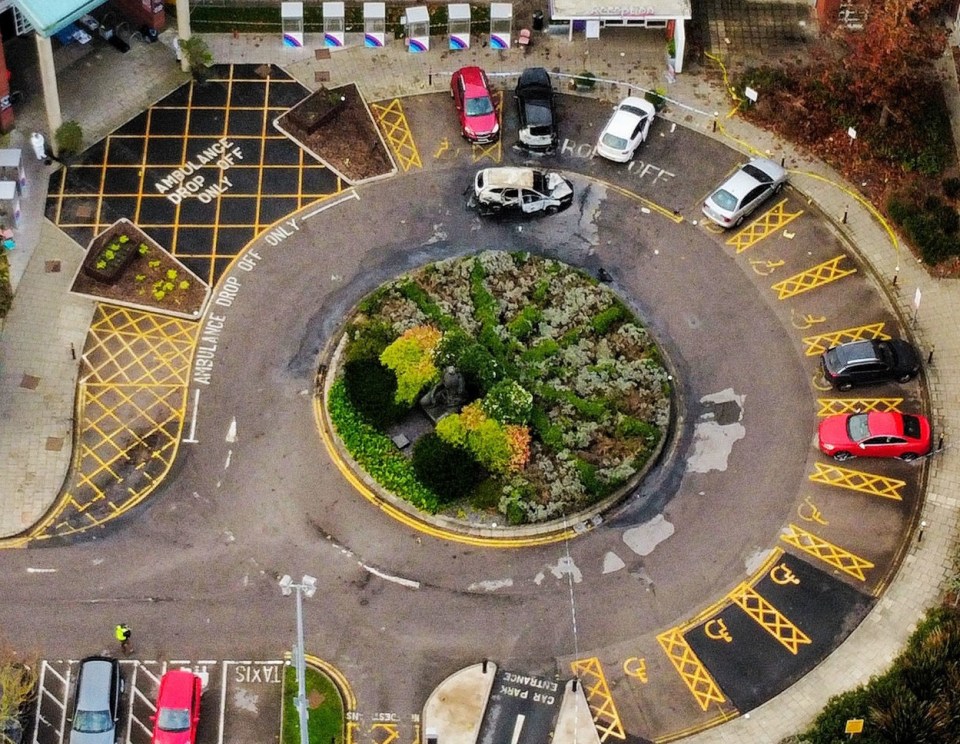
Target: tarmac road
195,571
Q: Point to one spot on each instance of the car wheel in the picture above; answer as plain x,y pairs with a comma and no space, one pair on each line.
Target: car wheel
904,378
778,188
842,456
845,386
552,209
908,456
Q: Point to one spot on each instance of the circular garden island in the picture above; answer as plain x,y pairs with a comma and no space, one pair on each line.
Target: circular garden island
499,389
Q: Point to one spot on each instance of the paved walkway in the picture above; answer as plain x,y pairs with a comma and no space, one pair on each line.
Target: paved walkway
46,326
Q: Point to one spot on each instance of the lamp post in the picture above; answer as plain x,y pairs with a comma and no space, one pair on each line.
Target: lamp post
307,587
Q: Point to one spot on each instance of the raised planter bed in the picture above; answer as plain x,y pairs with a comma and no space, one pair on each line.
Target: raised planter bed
112,251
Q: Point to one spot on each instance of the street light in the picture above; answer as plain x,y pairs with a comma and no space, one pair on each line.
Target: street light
307,587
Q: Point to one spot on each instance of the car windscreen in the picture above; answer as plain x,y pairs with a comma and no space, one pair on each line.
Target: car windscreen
173,719
911,427
92,721
638,112
539,182
538,113
479,106
857,427
724,199
754,172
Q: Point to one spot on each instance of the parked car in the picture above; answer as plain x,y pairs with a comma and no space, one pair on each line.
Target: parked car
744,191
96,701
626,129
178,708
526,190
536,110
471,95
868,362
874,434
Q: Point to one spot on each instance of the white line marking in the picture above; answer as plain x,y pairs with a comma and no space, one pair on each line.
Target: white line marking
395,579
328,204
227,463
192,438
223,699
232,431
42,570
517,726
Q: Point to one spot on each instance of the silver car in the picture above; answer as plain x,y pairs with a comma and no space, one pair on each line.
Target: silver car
744,191
97,701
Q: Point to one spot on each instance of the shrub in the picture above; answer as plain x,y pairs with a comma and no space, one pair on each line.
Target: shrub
508,402
605,320
411,359
951,187
6,291
69,138
198,56
369,341
376,453
525,322
486,496
658,97
497,447
586,80
449,471
372,389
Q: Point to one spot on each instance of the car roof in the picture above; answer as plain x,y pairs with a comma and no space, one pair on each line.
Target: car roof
520,178
176,689
623,121
884,423
742,181
857,352
96,673
473,79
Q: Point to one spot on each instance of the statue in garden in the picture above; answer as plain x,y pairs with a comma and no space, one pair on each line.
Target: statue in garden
446,396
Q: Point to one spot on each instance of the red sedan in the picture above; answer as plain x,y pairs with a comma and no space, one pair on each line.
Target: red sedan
178,708
874,434
471,96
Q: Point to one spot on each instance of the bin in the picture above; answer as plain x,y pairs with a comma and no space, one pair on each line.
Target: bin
538,20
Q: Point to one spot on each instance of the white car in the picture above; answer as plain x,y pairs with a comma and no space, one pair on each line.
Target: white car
626,130
526,190
744,191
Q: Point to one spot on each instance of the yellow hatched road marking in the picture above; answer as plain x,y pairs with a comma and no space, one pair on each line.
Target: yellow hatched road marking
384,733
691,670
816,276
653,207
767,223
493,151
832,555
606,719
396,129
856,480
818,344
834,406
769,617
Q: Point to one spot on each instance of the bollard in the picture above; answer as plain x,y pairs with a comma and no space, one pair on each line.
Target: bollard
940,443
73,351
844,220
894,280
923,526
930,355
714,125
430,78
484,666
574,688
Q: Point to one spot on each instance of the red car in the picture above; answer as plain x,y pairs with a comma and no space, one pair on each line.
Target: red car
178,708
874,434
471,96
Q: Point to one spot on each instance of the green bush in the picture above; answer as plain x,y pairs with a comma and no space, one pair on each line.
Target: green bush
372,390
376,453
411,359
69,138
929,223
486,496
369,341
508,402
6,290
525,322
449,471
480,369
951,187
605,320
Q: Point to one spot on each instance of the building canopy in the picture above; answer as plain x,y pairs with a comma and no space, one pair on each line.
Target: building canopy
625,9
49,16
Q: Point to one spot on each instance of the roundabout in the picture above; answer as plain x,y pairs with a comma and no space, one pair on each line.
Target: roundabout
737,566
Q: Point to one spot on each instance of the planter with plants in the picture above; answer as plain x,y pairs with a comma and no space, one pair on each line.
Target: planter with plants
530,392
111,253
585,81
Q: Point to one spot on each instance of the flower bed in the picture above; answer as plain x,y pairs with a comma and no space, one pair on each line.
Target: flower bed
563,399
111,253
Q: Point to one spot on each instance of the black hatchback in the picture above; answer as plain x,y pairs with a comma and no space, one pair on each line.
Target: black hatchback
537,110
868,362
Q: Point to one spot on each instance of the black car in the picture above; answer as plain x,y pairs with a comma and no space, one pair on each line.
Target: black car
870,361
96,702
536,110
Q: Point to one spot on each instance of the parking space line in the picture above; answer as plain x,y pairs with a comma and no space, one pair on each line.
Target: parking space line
389,729
493,151
766,224
396,129
857,480
59,702
769,618
818,344
833,406
606,718
816,276
832,555
691,670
